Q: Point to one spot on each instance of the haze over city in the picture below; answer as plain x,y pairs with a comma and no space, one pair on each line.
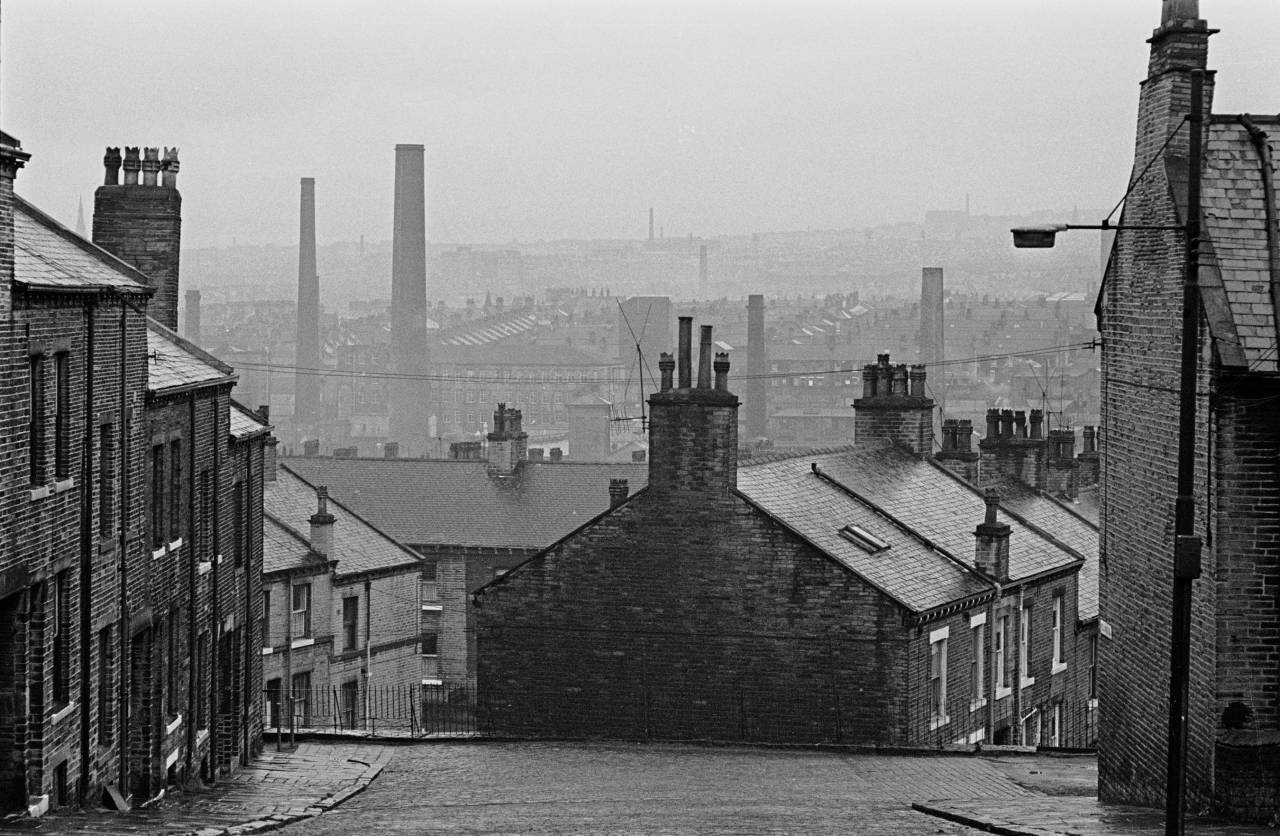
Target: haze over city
549,120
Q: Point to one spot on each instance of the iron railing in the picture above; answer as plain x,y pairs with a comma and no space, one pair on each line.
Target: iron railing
410,710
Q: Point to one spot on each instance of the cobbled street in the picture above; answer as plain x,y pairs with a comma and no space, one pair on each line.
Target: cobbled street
620,788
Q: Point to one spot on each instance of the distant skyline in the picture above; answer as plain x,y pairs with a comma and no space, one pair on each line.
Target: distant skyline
546,120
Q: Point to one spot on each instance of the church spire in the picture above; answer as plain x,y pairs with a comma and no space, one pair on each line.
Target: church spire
80,219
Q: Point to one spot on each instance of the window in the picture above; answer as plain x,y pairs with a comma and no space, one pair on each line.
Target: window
430,656
202,696
350,623
1001,639
171,667
106,480
1059,646
484,396
1024,649
1093,667
61,416
938,678
35,430
237,523
106,724
300,612
429,586
175,489
864,539
157,496
977,667
266,618
301,694
60,627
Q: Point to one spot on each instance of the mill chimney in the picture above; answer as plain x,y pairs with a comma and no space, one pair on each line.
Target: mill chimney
408,399
757,367
306,382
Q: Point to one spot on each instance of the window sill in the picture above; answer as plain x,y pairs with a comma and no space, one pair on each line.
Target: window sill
974,705
938,722
432,608
204,567
296,643
174,726
1028,682
433,682
64,484
1059,667
63,713
1093,704
176,544
202,737
39,492
267,651
1001,693
156,554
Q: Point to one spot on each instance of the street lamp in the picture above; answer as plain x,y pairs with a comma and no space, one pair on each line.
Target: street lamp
1186,557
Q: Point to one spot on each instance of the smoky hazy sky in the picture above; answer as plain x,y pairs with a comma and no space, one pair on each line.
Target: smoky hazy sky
547,119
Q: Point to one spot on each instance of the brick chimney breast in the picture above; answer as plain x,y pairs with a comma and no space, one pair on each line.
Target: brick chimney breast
991,554
894,407
322,524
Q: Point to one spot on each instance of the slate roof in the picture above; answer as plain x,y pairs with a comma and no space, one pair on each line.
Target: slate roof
175,364
288,504
1233,207
456,503
48,256
245,423
1069,525
520,354
909,571
923,510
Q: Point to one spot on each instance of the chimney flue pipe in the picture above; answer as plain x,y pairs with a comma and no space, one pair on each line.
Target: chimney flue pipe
685,369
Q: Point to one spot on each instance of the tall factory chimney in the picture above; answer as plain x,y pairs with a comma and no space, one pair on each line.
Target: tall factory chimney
306,384
932,336
409,396
757,361
192,320
650,223
140,222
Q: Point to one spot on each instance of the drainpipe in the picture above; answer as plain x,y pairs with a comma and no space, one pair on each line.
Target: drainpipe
192,557
125,464
1016,717
215,627
368,652
990,674
87,535
247,632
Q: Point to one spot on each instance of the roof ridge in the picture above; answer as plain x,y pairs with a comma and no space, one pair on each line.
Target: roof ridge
189,347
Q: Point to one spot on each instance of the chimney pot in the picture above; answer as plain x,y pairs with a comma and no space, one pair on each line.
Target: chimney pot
685,359
869,381
264,410
964,435
666,365
150,166
617,492
112,163
391,450
900,380
993,423
721,366
169,168
949,434
557,454
1037,423
132,165
1020,423
322,524
1006,424
704,358
311,447
991,497
917,376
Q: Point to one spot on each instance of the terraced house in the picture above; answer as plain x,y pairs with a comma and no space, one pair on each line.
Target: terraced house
863,594
122,663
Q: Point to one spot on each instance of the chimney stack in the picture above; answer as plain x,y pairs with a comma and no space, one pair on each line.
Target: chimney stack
306,383
666,365
992,548
12,158
1062,478
894,407
322,524
1088,459
508,443
693,431
757,367
311,447
409,407
391,450
1009,452
142,224
617,492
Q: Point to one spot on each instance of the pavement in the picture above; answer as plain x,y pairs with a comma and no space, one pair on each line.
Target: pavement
327,788
276,789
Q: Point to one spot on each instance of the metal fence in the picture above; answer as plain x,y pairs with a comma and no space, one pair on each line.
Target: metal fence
411,710
1055,724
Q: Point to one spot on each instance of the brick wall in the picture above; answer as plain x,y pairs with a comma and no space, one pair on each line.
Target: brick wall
1141,308
142,225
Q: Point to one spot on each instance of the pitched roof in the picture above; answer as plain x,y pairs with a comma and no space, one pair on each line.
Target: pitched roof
1070,526
173,364
1234,210
926,514
520,354
289,502
910,570
48,256
245,423
437,502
